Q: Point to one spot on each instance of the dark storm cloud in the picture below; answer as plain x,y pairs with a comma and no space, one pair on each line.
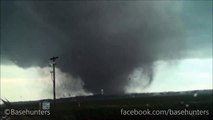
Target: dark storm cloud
100,42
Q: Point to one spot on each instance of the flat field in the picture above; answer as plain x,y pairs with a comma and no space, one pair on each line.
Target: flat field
193,105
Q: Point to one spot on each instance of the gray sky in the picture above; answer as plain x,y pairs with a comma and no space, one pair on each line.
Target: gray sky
101,43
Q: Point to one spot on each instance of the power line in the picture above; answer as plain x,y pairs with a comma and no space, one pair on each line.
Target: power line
53,73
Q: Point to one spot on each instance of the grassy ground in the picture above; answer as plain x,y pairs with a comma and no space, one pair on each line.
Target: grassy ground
113,106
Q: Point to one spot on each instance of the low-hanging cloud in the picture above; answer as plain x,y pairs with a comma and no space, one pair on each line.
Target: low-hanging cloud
100,43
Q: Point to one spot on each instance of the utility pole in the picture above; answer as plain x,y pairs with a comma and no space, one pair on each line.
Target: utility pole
54,64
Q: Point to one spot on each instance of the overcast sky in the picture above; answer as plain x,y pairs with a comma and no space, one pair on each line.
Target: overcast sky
118,46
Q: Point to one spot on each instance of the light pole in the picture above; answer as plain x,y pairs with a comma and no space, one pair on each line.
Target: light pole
54,64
